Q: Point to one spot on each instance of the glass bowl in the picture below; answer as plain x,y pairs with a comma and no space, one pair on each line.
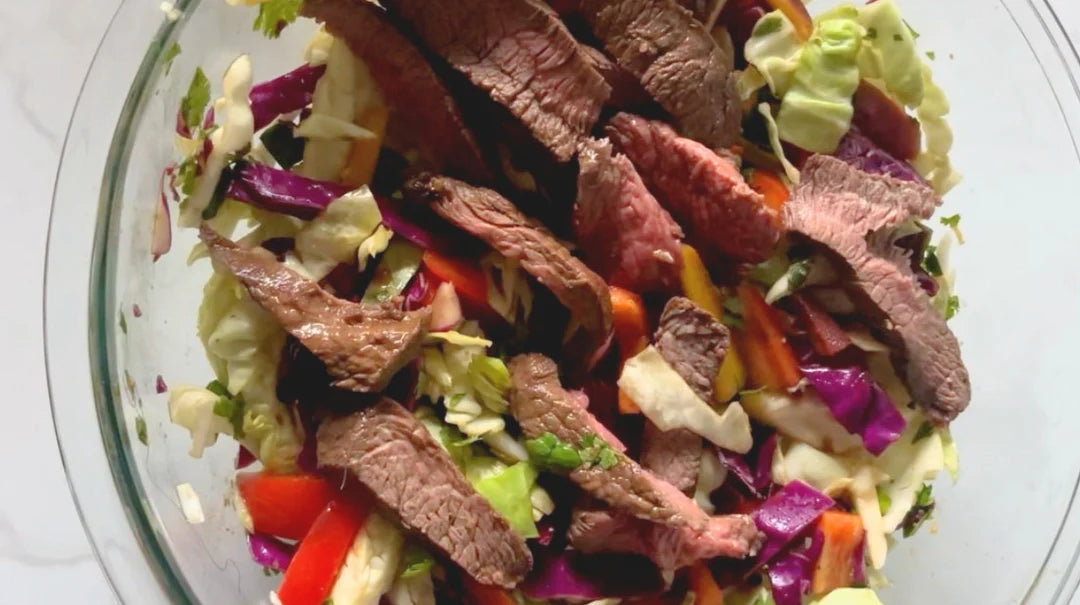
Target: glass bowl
1008,532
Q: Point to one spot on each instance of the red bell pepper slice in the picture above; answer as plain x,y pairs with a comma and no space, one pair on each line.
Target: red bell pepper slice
315,566
467,279
283,505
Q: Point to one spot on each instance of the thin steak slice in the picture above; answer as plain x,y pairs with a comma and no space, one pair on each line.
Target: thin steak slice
520,53
837,206
625,233
626,90
677,62
363,346
704,191
541,405
694,343
489,216
398,461
423,113
670,548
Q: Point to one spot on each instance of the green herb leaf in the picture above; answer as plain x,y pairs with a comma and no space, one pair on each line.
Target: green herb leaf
548,451
415,561
797,274
871,33
884,500
952,307
595,451
193,105
186,173
914,34
951,221
924,431
931,54
219,389
171,54
898,38
229,407
140,430
123,323
222,187
274,15
920,511
931,262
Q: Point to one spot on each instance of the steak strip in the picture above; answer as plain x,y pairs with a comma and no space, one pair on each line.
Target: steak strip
625,233
837,206
704,191
521,54
362,345
677,62
489,216
408,472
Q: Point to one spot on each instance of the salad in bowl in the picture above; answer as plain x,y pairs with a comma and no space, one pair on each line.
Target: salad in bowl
605,301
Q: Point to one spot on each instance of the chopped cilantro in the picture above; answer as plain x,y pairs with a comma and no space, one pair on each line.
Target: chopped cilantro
123,323
951,221
597,452
171,54
871,33
931,54
274,15
415,561
884,500
549,451
952,307
186,173
920,511
924,431
140,430
767,25
218,197
228,407
217,388
194,103
898,37
931,262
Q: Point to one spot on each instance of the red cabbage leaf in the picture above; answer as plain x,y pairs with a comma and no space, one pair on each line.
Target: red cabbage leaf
858,403
284,94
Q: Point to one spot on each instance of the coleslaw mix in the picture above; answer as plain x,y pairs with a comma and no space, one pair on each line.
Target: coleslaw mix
834,467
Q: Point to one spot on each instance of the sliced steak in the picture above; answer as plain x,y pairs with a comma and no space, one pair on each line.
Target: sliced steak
626,90
670,548
398,461
541,405
492,218
625,233
677,62
837,206
833,187
520,53
674,456
423,113
693,342
706,11
363,346
704,191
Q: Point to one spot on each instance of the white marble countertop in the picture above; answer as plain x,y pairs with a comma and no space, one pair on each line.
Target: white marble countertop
45,48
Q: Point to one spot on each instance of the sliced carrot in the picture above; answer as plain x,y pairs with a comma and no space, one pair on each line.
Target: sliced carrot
360,167
703,584
835,568
627,405
771,361
629,322
826,336
769,185
697,285
467,279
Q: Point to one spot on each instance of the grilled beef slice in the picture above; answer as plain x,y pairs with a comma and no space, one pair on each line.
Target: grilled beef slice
400,463
362,345
521,54
624,232
677,62
851,213
489,216
703,190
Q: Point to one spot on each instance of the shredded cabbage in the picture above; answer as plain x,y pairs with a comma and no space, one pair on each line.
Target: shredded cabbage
473,392
243,344
372,246
417,589
670,403
802,417
711,476
889,54
192,407
508,290
322,126
395,270
371,566
790,170
933,163
234,134
773,51
336,234
509,490
816,111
